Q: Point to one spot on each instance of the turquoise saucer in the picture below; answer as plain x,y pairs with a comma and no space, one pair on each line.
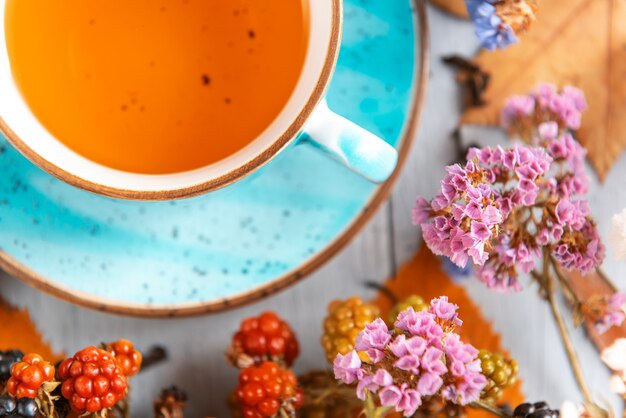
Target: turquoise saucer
238,244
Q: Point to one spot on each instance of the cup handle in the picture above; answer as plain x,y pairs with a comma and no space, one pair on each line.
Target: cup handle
346,142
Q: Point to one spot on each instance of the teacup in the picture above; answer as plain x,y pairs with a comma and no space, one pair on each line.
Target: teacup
305,118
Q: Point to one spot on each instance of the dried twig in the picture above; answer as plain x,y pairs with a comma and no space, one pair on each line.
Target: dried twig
565,337
472,77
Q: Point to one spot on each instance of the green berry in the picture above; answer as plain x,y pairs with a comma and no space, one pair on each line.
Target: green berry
501,372
413,301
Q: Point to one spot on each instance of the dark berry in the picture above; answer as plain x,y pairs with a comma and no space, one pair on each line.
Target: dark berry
7,405
7,359
523,410
536,410
27,408
542,413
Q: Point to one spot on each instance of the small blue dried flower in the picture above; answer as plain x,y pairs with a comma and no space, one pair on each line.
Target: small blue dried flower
497,21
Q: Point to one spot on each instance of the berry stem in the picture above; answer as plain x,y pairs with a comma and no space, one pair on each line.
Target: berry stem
565,337
46,401
490,408
122,407
566,285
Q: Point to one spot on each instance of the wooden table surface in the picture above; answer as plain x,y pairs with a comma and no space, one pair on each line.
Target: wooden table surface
196,345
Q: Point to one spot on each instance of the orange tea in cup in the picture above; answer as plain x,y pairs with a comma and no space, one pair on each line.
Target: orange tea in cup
156,87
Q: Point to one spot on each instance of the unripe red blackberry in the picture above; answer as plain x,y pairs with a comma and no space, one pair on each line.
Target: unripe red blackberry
28,375
127,357
262,338
342,325
267,390
92,380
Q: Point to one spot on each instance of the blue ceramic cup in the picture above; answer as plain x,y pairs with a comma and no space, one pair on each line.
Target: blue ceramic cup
305,119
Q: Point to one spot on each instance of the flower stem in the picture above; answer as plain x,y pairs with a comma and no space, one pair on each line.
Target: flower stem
569,348
370,406
374,411
490,408
565,337
568,289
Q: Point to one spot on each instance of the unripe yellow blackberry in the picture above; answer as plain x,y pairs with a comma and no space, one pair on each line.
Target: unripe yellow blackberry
500,372
343,323
413,301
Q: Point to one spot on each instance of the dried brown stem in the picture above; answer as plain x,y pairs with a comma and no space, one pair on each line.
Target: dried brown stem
388,293
489,408
170,403
565,337
153,356
566,285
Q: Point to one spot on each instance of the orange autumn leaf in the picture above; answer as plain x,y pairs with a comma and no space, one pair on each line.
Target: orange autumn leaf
455,7
580,43
425,277
18,331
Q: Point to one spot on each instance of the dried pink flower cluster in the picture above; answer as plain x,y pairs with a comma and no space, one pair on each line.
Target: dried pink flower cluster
476,199
546,118
569,177
505,207
425,358
523,113
607,312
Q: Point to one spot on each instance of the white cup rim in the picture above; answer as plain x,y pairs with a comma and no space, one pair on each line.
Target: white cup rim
322,53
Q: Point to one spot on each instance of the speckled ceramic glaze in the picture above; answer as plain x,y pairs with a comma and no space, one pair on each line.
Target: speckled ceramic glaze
233,245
